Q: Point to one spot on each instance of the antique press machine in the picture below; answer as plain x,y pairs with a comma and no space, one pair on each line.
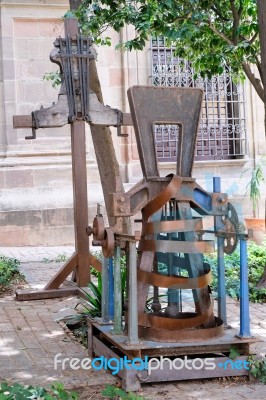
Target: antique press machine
166,309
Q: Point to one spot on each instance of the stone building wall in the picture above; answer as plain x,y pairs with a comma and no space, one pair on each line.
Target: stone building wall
36,200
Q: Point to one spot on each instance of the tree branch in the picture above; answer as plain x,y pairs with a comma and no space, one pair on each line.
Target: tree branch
258,63
241,9
234,10
235,21
218,12
256,83
254,37
220,34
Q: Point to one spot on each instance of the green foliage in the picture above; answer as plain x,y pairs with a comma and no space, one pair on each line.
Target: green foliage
233,353
258,368
254,185
256,265
8,270
92,302
17,391
211,34
112,392
53,77
59,258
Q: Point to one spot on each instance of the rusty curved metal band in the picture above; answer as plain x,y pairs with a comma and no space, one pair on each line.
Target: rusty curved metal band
191,320
157,203
187,225
167,246
187,326
174,282
186,335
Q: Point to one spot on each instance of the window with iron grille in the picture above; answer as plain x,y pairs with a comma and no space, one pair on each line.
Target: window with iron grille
222,129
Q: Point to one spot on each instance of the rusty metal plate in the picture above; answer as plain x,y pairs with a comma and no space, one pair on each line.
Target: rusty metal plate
182,106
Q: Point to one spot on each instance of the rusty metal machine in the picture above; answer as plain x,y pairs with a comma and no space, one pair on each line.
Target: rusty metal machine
168,310
159,321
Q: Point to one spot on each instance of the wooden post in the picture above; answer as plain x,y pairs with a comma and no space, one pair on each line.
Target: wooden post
80,198
79,172
111,179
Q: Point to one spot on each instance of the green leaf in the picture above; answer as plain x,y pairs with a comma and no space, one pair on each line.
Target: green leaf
233,353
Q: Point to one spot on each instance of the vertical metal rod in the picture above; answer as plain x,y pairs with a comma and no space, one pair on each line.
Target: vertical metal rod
220,260
111,287
117,291
133,299
244,297
221,281
105,291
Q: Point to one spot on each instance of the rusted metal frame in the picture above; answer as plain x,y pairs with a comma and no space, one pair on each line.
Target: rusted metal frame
131,202
171,374
129,377
25,121
175,281
186,320
90,337
185,246
68,80
131,380
146,258
222,344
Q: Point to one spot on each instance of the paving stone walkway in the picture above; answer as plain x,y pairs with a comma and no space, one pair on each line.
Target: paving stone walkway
30,337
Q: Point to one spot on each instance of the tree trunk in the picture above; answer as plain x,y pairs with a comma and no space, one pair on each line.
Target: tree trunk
261,5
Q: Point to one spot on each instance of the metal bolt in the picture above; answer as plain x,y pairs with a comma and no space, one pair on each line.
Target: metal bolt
89,230
122,199
122,209
222,208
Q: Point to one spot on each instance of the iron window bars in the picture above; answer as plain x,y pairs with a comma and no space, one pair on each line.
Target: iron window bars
222,131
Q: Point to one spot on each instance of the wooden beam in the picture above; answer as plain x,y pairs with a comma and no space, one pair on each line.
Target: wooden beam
96,264
22,121
23,295
63,273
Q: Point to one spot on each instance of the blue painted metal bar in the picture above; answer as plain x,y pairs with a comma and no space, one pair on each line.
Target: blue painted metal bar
105,291
216,182
244,295
220,259
117,291
203,199
111,287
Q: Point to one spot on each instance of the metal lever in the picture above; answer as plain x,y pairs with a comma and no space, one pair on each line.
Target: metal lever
33,136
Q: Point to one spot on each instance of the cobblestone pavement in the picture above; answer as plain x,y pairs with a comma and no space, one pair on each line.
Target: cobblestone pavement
30,337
